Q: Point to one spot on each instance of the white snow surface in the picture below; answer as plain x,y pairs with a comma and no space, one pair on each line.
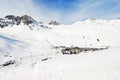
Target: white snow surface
29,47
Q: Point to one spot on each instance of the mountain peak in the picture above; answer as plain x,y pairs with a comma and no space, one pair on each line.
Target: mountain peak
53,22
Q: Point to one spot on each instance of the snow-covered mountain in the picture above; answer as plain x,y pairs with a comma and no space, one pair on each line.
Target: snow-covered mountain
33,52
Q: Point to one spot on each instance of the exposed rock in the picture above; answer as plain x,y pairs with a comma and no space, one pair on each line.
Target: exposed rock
11,17
11,20
3,24
27,20
46,59
98,40
70,50
17,20
8,63
77,50
53,23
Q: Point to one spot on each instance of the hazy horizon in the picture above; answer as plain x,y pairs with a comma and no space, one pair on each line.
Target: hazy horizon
64,11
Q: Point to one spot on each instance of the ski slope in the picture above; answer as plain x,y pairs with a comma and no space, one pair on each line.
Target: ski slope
36,59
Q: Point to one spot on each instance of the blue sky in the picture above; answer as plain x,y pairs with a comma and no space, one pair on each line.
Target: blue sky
61,5
64,11
82,9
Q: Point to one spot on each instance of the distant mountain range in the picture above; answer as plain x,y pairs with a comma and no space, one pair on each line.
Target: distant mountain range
11,20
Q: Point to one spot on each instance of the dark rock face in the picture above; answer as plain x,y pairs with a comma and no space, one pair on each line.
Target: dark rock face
10,17
27,19
11,20
8,63
17,20
3,24
46,59
77,50
14,19
8,20
68,50
53,23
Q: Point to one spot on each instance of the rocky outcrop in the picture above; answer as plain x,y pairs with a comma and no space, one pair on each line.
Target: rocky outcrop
53,23
11,20
17,19
3,24
10,17
77,50
11,62
27,19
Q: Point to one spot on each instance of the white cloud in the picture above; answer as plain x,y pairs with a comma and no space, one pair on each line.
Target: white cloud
17,7
88,9
21,7
92,9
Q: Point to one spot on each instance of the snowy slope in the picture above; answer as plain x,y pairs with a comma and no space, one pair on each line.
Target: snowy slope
37,60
